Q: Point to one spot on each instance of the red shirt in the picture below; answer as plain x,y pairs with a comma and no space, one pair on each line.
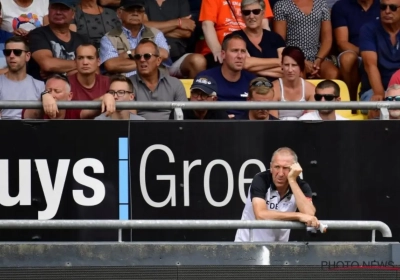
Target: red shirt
69,115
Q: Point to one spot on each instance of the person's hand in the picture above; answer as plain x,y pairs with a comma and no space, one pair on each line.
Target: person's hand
315,69
374,114
187,23
49,105
20,32
217,56
295,170
108,104
44,74
309,67
310,221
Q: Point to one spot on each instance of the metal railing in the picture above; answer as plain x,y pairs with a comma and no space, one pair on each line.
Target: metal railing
190,224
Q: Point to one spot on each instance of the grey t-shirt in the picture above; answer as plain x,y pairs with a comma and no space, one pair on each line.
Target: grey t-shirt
133,117
27,89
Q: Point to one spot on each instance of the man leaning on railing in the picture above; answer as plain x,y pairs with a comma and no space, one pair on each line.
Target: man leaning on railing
276,194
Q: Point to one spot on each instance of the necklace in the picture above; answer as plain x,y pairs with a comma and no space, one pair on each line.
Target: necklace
101,19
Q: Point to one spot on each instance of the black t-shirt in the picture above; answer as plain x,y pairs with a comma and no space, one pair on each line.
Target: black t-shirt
211,115
246,117
43,38
263,181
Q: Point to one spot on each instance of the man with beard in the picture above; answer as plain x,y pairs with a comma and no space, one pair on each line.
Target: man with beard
393,94
16,84
326,90
260,90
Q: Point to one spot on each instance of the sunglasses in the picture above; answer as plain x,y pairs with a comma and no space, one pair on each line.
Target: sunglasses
146,56
393,98
327,97
261,83
255,12
16,52
392,7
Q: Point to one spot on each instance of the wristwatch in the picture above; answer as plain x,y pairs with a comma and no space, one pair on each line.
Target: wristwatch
43,93
130,54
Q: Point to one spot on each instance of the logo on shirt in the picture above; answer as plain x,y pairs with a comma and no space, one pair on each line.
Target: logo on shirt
244,94
26,21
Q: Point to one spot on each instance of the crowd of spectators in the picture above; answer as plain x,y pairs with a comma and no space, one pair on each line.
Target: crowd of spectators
254,50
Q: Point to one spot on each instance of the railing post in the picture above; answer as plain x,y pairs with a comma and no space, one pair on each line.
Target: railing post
384,113
119,235
373,236
178,114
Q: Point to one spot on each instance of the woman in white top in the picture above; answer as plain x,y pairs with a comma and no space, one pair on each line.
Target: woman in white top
292,87
22,16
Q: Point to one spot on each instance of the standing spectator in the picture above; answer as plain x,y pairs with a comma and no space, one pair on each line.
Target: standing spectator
204,88
53,46
292,87
347,19
16,84
173,18
94,21
264,46
393,94
151,84
306,24
379,47
220,18
326,90
22,16
233,82
117,46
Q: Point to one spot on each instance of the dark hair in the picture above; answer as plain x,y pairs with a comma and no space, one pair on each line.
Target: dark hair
148,41
329,84
122,78
18,39
88,45
296,54
229,37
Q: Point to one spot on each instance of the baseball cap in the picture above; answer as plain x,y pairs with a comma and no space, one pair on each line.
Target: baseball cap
68,3
205,84
131,3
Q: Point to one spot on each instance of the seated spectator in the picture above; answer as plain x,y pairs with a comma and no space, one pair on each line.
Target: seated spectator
379,48
292,87
233,82
122,89
117,46
204,88
347,19
219,18
151,84
53,46
326,90
308,26
22,16
94,21
60,90
264,46
16,84
260,90
393,94
175,21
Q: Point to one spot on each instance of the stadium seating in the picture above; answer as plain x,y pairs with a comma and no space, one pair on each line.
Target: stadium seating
344,94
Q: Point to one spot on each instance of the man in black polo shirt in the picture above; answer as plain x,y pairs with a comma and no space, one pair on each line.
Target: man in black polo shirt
276,194
204,88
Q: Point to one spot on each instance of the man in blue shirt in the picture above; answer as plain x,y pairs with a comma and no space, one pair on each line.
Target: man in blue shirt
379,48
233,82
347,18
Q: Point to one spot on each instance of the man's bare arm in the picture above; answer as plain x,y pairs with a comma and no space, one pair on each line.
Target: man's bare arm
48,63
370,60
114,3
120,64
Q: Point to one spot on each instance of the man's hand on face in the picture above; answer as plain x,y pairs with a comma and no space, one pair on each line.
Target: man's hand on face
295,171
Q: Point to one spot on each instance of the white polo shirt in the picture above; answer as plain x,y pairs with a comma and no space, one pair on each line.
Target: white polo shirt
263,187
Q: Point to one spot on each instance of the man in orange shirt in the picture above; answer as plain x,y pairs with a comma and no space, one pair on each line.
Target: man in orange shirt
219,18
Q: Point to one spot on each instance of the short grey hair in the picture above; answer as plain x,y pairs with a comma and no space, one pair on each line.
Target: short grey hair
285,150
249,2
392,87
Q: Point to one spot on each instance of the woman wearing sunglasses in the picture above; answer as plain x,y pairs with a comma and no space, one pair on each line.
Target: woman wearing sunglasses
292,87
263,46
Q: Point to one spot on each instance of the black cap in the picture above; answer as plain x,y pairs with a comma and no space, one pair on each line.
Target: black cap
131,3
205,84
68,3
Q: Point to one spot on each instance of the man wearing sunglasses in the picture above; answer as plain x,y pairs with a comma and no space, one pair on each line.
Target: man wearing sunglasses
380,51
325,91
204,88
393,94
16,84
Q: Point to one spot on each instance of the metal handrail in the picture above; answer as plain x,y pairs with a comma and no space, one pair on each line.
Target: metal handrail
188,224
226,105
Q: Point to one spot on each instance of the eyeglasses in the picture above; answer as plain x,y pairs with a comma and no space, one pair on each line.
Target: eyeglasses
16,52
146,56
255,12
202,95
327,97
119,93
392,98
261,83
392,7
